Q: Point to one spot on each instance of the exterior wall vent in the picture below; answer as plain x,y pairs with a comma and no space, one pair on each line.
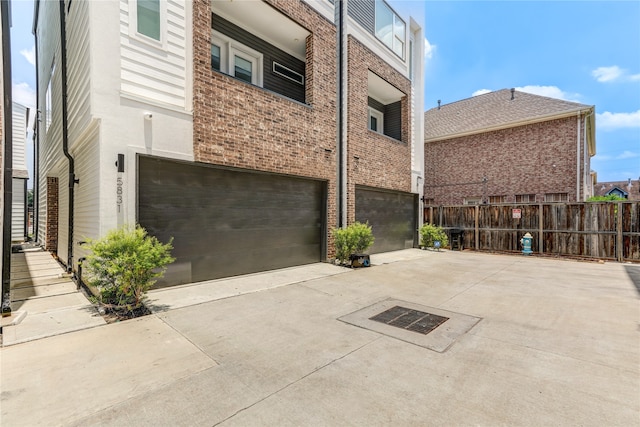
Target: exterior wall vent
287,73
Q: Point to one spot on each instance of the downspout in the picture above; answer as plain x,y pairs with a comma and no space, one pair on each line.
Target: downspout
7,159
65,133
341,19
36,135
578,161
36,165
586,175
25,203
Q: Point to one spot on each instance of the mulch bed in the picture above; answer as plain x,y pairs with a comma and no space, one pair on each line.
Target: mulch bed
118,314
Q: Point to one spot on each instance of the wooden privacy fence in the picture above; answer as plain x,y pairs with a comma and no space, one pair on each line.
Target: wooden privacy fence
608,230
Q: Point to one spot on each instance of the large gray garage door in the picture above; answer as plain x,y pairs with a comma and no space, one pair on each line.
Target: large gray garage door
391,215
229,222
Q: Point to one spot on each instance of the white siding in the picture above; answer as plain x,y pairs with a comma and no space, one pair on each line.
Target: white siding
78,76
42,210
18,210
157,72
48,45
87,194
19,130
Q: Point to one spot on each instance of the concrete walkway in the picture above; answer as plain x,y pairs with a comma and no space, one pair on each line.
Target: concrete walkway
44,300
547,342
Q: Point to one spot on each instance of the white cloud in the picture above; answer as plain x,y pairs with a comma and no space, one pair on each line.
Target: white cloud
627,155
612,74
428,49
29,55
480,92
614,121
607,74
24,94
549,91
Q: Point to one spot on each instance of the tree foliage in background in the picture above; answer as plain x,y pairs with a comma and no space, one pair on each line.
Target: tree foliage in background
609,198
354,239
124,264
30,198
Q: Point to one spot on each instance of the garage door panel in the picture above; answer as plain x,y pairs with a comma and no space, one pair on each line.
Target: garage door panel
228,222
391,215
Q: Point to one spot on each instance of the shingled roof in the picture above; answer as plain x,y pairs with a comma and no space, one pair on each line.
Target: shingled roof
493,111
631,187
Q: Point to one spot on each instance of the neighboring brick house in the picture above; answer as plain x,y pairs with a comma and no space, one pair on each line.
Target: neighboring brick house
508,146
629,189
216,123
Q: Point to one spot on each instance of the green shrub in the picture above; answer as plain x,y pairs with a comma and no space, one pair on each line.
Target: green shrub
431,233
124,264
609,198
354,239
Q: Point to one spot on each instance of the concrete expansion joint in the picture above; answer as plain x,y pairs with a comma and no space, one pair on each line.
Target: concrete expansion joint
34,297
315,370
200,349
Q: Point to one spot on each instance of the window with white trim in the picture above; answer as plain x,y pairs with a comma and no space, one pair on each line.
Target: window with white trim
472,200
525,198
555,197
376,120
497,199
232,57
148,18
48,101
390,29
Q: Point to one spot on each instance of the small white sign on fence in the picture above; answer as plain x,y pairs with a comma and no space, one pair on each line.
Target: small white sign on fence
517,213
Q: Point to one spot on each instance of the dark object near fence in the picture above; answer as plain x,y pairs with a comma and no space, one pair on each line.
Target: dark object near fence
359,260
456,239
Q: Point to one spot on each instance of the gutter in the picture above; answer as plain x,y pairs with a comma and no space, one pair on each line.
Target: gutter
7,178
65,133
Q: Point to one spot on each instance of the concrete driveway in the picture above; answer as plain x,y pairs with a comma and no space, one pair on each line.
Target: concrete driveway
546,342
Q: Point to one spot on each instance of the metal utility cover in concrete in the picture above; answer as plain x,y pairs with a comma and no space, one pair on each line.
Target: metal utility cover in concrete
410,320
438,329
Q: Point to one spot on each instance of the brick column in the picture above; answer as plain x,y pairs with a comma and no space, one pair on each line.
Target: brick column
51,231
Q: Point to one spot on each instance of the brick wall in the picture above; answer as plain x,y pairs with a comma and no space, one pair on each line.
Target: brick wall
373,159
532,159
240,125
51,232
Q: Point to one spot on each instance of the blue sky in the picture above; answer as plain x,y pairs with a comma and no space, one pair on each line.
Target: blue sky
583,51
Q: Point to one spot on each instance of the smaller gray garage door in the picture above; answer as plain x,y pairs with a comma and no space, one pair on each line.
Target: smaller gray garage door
229,222
391,215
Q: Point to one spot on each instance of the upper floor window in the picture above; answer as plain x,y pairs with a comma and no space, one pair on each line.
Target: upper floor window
390,29
148,18
48,101
231,57
376,120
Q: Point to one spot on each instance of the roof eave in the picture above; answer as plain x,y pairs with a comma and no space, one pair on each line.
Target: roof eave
547,117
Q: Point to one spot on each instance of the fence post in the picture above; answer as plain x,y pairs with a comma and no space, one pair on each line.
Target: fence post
619,239
477,230
540,227
440,208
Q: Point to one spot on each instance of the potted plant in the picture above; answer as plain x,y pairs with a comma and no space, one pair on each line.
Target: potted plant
351,242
